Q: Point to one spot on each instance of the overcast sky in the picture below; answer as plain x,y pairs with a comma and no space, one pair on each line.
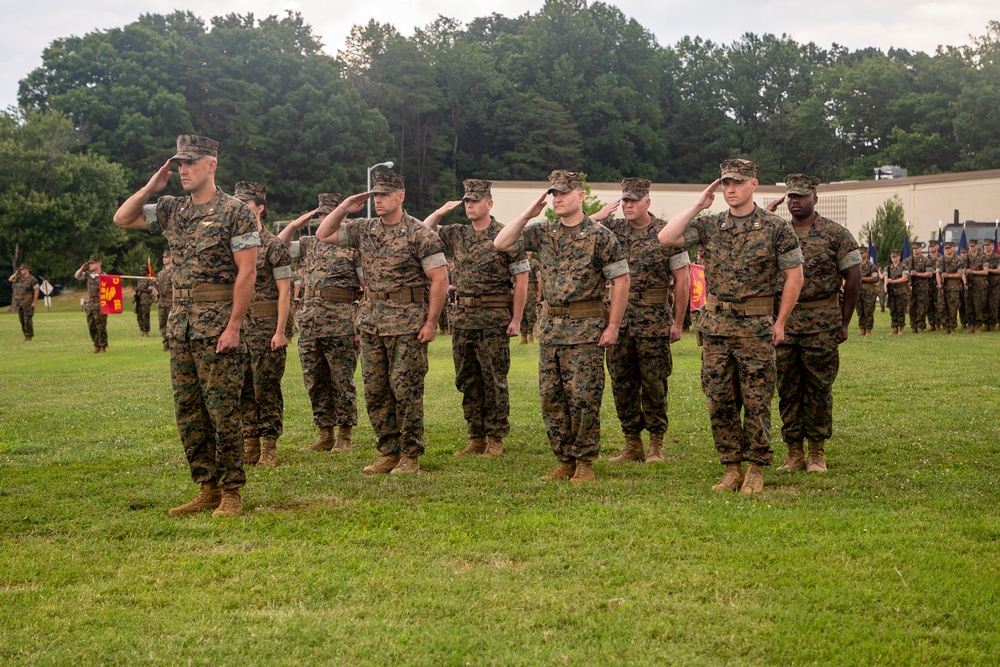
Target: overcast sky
914,25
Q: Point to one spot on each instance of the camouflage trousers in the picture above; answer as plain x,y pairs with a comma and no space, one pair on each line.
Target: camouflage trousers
571,385
951,301
899,299
978,298
328,365
963,302
393,369
261,403
25,315
207,406
919,302
993,300
482,361
866,308
142,317
807,366
639,370
97,325
738,372
162,314
530,313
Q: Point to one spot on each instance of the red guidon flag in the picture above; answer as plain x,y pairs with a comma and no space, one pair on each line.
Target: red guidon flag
111,295
698,287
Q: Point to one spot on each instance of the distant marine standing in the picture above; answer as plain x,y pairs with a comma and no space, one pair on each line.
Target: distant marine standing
25,296
97,322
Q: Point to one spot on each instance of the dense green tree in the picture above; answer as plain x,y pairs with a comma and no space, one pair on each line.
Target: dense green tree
888,230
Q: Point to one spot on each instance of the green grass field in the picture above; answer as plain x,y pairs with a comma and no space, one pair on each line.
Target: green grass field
890,558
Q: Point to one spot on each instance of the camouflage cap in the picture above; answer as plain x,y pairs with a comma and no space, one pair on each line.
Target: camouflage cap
932,242
987,241
193,147
973,242
917,244
738,169
634,188
329,201
949,244
896,252
565,181
476,189
24,267
247,190
94,259
800,184
384,181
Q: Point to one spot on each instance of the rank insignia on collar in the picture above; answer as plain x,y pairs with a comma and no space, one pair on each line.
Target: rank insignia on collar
756,224
207,223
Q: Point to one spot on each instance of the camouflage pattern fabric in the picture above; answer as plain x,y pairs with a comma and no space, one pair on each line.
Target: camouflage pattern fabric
899,294
482,362
827,249
393,369
206,389
530,305
164,299
23,299
571,385
743,259
992,261
978,290
207,386
97,323
921,291
807,367
329,380
143,302
739,373
952,289
640,362
866,300
261,402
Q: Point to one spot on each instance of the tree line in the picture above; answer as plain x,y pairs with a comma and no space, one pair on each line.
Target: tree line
576,84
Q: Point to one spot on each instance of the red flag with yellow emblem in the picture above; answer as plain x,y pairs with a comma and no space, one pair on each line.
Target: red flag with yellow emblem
698,286
111,295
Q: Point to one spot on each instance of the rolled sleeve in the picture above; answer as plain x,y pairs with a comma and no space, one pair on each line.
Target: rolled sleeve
691,235
434,261
519,267
152,221
790,259
615,269
852,258
245,241
294,250
282,272
678,261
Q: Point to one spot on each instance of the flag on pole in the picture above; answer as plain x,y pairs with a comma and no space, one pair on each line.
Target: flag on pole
963,242
940,240
996,226
872,256
698,287
906,246
149,268
111,295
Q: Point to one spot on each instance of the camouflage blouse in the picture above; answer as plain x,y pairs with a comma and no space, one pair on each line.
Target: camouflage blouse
827,249
326,266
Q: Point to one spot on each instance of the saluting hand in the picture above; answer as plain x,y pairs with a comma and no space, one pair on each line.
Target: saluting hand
605,213
773,206
159,180
354,203
708,195
536,207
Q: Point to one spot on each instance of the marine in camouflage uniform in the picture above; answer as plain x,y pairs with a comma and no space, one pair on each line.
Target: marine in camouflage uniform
934,298
991,261
750,255
922,286
143,304
579,257
897,285
531,302
24,297
490,292
809,357
406,279
977,277
261,403
328,344
951,275
97,322
213,243
640,362
869,291
164,296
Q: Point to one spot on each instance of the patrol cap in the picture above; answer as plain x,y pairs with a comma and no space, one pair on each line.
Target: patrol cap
635,188
987,242
801,184
24,265
384,181
896,252
565,181
973,242
738,169
247,190
329,201
476,189
94,259
932,243
949,244
917,244
193,147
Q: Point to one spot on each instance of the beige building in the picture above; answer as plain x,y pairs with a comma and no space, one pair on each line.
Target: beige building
927,200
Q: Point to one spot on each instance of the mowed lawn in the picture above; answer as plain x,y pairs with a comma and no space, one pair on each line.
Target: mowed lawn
889,559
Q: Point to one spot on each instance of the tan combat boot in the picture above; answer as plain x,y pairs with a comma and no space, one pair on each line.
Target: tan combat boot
27,339
796,458
269,452
209,498
494,446
251,451
97,349
565,470
476,445
231,505
817,462
754,480
407,465
166,346
524,339
343,440
383,466
655,454
531,338
732,480
584,472
632,451
324,443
